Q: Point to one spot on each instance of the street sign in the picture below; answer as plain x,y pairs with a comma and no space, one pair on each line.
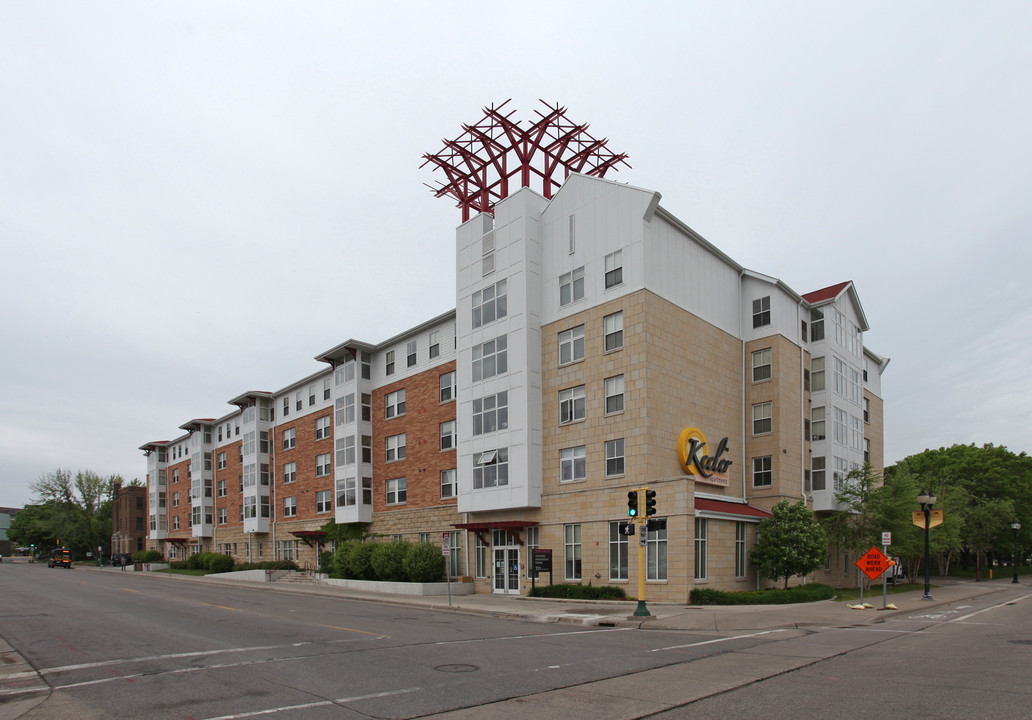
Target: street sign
886,538
934,518
643,533
446,544
873,563
626,528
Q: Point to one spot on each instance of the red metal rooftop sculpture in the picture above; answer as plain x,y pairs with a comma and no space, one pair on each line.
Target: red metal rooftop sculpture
496,153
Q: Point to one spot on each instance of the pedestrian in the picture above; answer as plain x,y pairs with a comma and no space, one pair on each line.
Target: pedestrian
121,559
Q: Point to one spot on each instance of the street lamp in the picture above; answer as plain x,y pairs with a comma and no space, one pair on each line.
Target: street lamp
1015,526
926,501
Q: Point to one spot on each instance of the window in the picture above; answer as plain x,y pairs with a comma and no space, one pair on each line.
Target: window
221,489
840,473
840,425
803,331
656,554
817,374
533,543
448,435
395,403
410,353
367,407
572,464
490,304
311,395
867,410
396,447
816,325
491,469
289,473
571,286
817,423
480,561
614,269
434,341
323,501
490,358
389,363
571,405
323,466
571,345
740,540
817,474
222,456
367,448
487,263
326,390
491,413
839,376
345,409
867,450
289,507
613,326
175,499
614,395
448,486
761,418
614,457
448,387
701,549
856,385
856,433
761,312
572,551
289,436
761,369
455,554
762,472
345,448
396,491
322,428
286,411
618,546
367,365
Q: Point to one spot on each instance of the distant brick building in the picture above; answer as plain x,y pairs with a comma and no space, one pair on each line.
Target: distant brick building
128,519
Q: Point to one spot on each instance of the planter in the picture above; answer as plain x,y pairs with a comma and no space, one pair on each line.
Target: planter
403,588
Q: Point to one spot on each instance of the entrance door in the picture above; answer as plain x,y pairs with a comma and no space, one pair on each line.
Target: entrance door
506,563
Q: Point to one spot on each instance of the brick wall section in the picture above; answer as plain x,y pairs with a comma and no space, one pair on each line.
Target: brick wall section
182,487
232,475
424,459
304,453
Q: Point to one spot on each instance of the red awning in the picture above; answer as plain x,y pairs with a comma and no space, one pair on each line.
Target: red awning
513,526
729,508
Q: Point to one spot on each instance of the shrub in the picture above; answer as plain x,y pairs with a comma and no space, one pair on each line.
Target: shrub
773,596
388,560
198,561
354,560
268,565
219,563
326,562
580,592
146,556
424,563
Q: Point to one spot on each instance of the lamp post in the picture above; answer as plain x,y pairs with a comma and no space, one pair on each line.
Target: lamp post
926,501
1015,526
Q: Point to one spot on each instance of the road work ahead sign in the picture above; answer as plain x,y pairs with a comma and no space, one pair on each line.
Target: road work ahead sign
873,563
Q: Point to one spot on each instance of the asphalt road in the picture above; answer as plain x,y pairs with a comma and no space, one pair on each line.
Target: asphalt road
110,645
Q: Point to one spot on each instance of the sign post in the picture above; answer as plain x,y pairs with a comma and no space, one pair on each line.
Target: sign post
446,551
886,541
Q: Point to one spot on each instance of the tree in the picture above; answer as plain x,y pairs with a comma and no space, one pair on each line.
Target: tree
77,510
791,542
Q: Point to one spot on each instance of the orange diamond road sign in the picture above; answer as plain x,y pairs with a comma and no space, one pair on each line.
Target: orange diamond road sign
873,563
934,518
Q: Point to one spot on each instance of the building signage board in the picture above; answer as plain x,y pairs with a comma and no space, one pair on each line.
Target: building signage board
696,460
934,518
542,560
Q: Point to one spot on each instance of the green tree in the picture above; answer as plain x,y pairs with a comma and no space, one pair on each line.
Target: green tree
791,542
78,509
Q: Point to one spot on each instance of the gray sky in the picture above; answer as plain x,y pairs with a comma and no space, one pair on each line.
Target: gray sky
198,197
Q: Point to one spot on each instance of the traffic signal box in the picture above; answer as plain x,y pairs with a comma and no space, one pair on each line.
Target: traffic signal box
632,503
650,503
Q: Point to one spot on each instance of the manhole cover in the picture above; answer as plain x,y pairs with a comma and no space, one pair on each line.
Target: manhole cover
456,668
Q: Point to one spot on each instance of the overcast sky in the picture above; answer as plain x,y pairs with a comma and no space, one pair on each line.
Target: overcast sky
196,198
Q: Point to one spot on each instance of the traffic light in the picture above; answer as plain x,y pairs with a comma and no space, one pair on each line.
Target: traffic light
650,503
632,503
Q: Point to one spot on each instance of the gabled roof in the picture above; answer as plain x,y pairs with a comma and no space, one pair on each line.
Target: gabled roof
829,293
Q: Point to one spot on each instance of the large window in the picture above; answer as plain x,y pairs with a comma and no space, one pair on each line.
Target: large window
740,553
840,425
322,428
571,405
396,447
410,353
761,312
455,553
389,363
491,469
323,466
763,473
614,457
614,269
491,413
396,491
701,548
618,547
449,488
395,403
613,328
572,464
817,374
571,345
656,555
761,418
839,367
289,507
817,474
761,365
434,343
614,394
448,386
489,304
572,551
490,358
571,286
816,325
817,424
448,435
289,438
345,447
323,501
289,472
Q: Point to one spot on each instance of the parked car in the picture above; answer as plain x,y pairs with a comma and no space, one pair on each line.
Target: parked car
59,557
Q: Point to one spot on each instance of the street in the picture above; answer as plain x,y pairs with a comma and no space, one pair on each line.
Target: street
114,645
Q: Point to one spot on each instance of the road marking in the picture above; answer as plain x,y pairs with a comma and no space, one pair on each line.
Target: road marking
305,706
718,640
528,637
148,658
364,632
219,606
992,607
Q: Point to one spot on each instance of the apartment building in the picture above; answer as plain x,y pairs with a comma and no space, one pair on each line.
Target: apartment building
598,346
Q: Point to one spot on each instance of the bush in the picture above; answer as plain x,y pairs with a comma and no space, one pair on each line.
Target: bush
267,565
354,560
774,596
219,563
326,562
424,563
146,556
580,592
388,560
198,561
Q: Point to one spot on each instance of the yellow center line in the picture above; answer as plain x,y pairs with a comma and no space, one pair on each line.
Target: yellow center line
337,627
218,606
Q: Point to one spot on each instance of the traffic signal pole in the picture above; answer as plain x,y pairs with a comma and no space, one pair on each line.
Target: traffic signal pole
640,501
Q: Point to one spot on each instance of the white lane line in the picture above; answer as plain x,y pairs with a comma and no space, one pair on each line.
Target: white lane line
324,703
718,640
992,607
171,656
529,637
